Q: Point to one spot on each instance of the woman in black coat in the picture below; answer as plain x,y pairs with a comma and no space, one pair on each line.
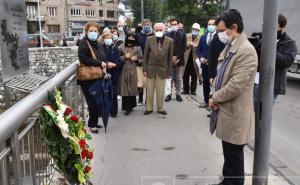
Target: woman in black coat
85,57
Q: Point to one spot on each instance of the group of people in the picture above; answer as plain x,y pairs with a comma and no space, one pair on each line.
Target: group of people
166,57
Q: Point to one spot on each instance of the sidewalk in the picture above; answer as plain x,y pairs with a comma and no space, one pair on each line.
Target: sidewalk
176,149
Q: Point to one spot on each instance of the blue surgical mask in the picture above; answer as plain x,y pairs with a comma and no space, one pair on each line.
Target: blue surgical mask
92,36
108,42
211,28
195,33
115,38
147,29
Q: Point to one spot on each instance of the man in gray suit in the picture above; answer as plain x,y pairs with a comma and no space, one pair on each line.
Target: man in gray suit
158,66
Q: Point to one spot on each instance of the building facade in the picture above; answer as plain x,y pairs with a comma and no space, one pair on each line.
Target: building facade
68,17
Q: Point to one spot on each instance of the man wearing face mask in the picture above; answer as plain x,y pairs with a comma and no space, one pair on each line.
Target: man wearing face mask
215,48
157,67
122,34
285,56
232,98
142,38
178,58
202,53
191,69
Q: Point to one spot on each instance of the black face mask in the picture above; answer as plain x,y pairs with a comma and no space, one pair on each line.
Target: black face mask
131,42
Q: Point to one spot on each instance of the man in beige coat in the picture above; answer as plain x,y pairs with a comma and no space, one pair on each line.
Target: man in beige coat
158,55
232,99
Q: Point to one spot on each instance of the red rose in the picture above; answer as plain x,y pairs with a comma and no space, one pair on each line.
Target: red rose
68,111
84,154
90,155
74,118
87,169
82,143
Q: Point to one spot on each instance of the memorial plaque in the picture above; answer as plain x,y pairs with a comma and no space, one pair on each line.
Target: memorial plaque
13,38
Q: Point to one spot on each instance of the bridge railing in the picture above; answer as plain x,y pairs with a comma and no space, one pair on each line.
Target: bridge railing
23,154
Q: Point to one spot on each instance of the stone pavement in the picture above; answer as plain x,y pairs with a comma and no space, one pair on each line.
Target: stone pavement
176,149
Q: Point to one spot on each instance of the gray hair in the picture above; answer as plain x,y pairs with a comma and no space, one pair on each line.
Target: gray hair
161,25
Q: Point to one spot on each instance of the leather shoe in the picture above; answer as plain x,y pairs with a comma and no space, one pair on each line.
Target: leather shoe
203,105
147,112
168,98
178,98
162,112
193,93
184,93
127,113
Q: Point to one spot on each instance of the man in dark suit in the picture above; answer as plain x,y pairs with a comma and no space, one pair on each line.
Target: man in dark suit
215,48
157,67
202,53
178,58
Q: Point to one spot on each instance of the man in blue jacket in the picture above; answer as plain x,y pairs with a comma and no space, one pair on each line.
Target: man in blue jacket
202,53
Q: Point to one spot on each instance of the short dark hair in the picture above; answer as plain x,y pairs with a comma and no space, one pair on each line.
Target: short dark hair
217,20
282,21
231,17
174,19
128,35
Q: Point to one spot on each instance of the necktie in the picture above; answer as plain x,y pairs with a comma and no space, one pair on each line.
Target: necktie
210,39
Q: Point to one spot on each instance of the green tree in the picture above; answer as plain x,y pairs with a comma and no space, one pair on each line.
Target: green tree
191,11
152,10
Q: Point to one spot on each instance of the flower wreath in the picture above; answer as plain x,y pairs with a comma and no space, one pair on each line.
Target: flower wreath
66,139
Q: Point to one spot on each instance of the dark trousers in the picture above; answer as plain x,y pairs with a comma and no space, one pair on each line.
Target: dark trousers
141,95
128,103
189,72
233,168
206,84
93,107
114,107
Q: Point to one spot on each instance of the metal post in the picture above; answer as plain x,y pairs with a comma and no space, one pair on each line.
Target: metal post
142,10
67,18
267,72
16,161
3,167
40,24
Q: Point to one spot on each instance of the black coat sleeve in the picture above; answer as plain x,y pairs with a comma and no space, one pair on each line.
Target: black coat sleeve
214,50
85,56
286,58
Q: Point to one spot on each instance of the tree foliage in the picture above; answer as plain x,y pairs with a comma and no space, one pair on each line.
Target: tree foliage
152,10
191,11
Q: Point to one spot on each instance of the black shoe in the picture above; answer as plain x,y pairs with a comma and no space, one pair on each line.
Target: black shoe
162,112
94,130
127,112
147,112
178,98
99,126
218,184
113,115
208,115
203,105
185,93
168,98
193,93
200,82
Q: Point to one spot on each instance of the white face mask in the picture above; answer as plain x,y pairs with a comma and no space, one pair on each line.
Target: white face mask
223,37
159,34
174,28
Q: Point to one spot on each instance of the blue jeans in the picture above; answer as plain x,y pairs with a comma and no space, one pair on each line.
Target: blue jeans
256,94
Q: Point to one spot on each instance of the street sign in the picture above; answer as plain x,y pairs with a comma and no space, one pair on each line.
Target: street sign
13,37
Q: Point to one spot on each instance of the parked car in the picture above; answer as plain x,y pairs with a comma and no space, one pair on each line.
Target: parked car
70,41
32,40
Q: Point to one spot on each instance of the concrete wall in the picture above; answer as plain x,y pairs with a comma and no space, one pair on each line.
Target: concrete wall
45,62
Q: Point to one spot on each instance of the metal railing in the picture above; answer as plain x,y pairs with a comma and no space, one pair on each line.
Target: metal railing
23,154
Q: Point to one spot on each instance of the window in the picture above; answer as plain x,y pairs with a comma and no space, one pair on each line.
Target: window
75,12
109,1
90,13
110,14
31,10
100,13
53,28
100,2
52,11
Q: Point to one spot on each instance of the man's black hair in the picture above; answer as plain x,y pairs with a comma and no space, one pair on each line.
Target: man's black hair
217,20
282,21
174,19
231,17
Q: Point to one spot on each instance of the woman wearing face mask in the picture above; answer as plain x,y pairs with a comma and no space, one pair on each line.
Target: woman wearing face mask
115,37
114,66
131,55
88,43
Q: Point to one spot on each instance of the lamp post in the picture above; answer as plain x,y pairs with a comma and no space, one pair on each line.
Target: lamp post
142,10
40,24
